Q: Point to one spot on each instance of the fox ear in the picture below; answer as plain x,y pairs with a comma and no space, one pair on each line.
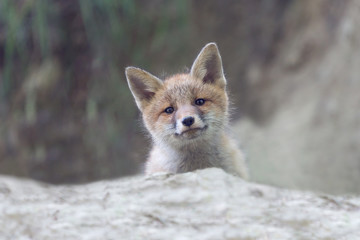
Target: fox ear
208,66
143,85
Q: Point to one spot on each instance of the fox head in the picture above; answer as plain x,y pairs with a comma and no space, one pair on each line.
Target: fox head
184,108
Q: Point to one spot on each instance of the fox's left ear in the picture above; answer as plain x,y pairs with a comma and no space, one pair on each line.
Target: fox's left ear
208,66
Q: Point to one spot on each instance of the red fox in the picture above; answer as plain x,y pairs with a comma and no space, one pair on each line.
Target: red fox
187,115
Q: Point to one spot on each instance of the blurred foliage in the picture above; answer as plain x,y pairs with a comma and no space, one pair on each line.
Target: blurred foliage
66,112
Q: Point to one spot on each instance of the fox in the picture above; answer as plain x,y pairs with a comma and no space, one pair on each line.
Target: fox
187,116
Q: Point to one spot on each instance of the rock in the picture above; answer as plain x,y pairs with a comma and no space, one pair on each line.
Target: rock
310,137
206,204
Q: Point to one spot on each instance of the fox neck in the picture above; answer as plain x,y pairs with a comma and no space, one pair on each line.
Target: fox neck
198,154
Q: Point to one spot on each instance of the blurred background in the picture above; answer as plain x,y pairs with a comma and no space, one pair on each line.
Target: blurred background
67,115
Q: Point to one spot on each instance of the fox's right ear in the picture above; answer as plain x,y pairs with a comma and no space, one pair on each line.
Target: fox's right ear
143,85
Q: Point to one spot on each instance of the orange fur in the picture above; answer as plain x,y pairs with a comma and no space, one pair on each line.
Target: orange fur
186,115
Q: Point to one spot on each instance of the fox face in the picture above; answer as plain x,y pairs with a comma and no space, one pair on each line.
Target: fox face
185,108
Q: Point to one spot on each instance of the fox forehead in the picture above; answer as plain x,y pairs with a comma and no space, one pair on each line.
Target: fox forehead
182,88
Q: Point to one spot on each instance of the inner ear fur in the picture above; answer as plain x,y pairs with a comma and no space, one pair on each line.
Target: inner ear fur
208,66
143,85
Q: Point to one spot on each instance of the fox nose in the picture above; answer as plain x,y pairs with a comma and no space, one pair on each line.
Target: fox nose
188,121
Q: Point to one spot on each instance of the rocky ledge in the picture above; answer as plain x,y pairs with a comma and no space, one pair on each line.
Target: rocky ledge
207,204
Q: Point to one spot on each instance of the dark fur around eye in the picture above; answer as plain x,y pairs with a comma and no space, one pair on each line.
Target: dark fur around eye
199,101
169,110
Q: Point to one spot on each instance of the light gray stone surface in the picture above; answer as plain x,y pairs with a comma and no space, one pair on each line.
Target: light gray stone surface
207,204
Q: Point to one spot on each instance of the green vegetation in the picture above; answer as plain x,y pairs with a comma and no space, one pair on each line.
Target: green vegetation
62,79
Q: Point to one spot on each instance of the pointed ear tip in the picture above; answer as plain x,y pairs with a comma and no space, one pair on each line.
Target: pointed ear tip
132,71
211,48
211,45
129,69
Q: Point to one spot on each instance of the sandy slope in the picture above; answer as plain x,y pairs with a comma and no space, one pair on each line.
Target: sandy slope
208,204
311,140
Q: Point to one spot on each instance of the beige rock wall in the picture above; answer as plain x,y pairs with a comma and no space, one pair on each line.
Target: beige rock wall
311,136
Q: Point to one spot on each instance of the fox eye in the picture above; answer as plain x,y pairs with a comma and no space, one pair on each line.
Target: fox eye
199,101
169,110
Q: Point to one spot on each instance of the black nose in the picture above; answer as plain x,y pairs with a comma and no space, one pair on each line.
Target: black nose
188,121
